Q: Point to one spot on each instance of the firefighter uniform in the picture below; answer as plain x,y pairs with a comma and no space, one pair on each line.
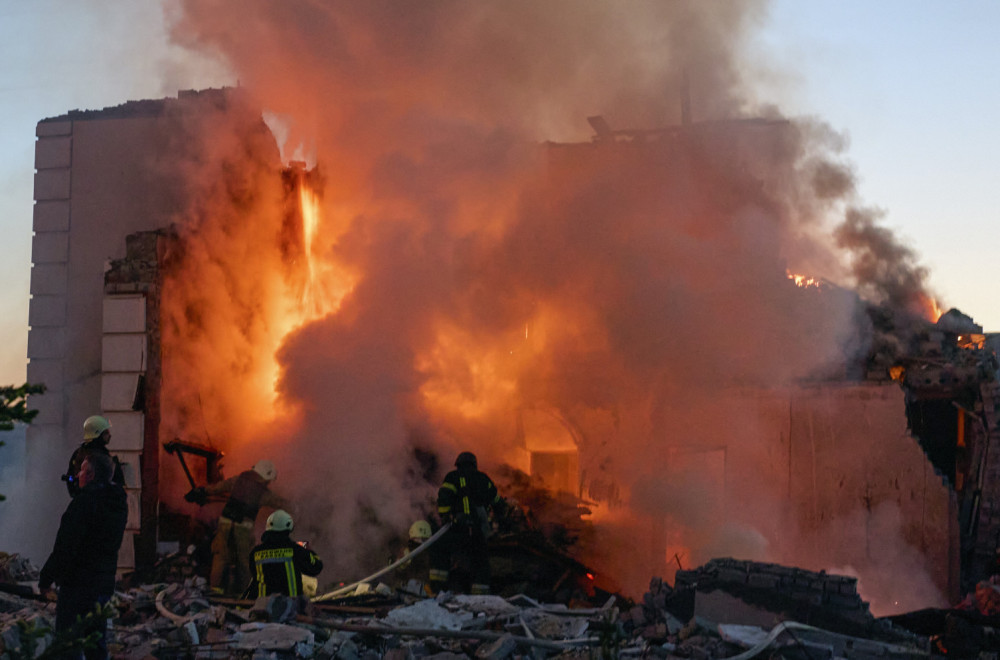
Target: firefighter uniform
234,537
464,499
96,436
279,563
84,451
84,558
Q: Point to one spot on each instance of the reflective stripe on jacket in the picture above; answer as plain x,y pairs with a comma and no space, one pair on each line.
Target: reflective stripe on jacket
278,564
464,491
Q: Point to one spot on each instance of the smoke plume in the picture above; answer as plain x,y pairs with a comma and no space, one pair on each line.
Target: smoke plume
463,272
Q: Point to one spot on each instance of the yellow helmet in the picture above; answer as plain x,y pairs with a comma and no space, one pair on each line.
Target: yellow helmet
280,521
94,426
420,531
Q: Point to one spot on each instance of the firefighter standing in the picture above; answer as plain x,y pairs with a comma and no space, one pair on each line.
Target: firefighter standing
278,563
234,538
84,558
464,498
96,436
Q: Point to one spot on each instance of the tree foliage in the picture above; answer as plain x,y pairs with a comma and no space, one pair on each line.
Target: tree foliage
14,407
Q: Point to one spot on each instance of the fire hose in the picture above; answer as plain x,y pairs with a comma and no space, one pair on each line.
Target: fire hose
394,565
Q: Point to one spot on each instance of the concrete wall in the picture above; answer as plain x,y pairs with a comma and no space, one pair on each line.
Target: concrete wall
100,176
860,488
97,180
830,477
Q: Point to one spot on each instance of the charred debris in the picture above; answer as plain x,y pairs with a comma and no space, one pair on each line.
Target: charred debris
726,608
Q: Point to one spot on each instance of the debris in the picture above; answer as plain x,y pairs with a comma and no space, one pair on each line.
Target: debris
177,620
427,614
275,637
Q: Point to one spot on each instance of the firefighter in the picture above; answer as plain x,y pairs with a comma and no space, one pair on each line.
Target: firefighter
464,499
414,572
278,563
96,436
234,538
84,558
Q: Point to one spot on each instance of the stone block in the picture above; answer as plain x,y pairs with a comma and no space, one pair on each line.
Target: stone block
124,314
46,372
46,311
123,353
51,407
118,391
48,279
46,343
127,431
51,128
50,247
130,462
51,216
52,184
55,151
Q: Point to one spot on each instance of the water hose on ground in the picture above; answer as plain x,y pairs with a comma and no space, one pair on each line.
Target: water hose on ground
394,565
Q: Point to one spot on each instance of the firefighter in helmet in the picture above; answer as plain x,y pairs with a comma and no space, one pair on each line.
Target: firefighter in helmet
278,563
96,436
465,499
413,573
234,538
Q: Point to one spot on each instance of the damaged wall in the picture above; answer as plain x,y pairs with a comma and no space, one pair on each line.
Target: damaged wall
100,175
823,476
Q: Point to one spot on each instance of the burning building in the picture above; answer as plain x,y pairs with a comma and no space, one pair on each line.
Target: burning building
102,176
612,317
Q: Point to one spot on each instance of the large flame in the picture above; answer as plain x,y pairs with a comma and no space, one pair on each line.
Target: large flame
461,285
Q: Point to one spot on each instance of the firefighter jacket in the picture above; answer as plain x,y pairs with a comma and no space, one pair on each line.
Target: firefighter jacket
88,448
85,554
278,564
248,492
466,495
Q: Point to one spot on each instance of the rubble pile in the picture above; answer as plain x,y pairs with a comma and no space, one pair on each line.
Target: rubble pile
17,574
768,611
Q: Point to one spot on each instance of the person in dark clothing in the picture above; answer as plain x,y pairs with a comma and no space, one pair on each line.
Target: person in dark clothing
85,555
278,563
233,540
464,499
96,436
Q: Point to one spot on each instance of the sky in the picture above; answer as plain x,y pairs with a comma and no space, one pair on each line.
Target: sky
912,85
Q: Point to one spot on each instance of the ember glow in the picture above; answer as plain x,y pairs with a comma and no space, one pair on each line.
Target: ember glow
460,283
802,280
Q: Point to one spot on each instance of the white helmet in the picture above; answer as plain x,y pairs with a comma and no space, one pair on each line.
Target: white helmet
266,470
94,426
280,521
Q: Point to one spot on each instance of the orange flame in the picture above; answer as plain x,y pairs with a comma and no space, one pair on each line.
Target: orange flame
802,281
931,310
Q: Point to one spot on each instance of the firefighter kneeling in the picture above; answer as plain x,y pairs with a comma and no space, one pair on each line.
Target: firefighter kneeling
278,563
463,499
